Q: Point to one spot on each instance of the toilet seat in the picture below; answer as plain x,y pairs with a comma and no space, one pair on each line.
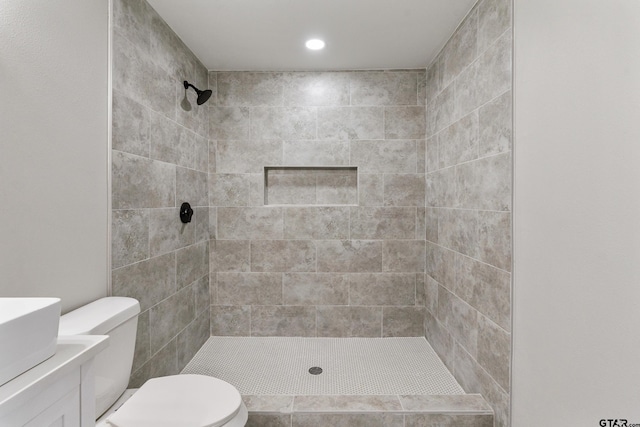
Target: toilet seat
180,400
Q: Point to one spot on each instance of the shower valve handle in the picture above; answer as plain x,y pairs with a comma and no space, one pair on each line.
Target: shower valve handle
186,213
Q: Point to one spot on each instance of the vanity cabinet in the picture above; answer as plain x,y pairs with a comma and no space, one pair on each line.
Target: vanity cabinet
59,392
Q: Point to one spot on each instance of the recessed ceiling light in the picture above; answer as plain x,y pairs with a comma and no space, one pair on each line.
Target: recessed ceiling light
315,44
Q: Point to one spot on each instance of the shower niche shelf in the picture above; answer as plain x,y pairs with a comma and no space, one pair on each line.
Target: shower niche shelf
311,185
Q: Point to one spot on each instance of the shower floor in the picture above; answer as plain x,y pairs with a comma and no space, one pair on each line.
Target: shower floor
350,366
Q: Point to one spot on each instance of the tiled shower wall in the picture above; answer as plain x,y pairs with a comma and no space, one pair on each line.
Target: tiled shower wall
320,262
468,199
160,159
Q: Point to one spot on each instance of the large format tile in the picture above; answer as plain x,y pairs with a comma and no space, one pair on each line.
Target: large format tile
192,263
403,321
322,222
249,89
283,255
250,223
347,123
138,182
283,321
494,351
247,156
130,236
349,256
316,88
403,256
283,123
383,222
486,288
349,321
315,289
231,320
316,153
167,233
170,317
131,125
384,88
149,281
404,190
371,156
249,288
382,289
230,256
406,122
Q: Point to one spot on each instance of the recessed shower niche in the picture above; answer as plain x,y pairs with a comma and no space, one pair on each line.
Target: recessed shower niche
311,185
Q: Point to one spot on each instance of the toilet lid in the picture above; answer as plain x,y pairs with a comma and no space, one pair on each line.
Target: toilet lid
179,400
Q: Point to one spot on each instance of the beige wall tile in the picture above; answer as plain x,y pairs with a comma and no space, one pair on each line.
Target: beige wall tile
495,126
349,256
283,123
370,189
316,88
384,88
130,236
347,123
349,321
458,143
404,122
403,321
494,351
230,256
231,320
485,183
149,281
250,223
398,156
337,189
138,182
404,190
383,222
131,126
249,89
322,222
315,289
192,263
229,123
247,156
249,288
382,289
283,255
403,255
170,317
283,321
316,153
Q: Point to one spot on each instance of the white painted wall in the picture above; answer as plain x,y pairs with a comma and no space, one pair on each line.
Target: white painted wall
576,334
53,149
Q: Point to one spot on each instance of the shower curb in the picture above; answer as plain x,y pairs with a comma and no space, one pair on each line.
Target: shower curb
470,410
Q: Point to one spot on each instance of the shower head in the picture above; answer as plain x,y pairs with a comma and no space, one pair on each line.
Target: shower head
203,95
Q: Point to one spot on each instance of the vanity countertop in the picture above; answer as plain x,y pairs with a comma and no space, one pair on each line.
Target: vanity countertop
71,352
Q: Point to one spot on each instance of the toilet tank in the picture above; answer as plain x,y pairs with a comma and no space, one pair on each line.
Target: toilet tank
118,318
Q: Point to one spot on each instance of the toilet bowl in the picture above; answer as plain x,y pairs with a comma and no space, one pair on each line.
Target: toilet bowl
175,400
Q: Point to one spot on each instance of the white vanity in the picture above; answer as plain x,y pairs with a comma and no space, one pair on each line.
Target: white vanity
58,392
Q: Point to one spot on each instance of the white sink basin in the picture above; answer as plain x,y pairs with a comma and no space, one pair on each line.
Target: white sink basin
28,333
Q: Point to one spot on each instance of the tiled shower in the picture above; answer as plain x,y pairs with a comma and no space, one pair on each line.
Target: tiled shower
327,204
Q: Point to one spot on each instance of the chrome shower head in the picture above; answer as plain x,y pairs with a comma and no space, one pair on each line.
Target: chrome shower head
203,95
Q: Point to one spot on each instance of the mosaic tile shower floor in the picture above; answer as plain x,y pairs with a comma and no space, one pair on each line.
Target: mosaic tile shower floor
350,366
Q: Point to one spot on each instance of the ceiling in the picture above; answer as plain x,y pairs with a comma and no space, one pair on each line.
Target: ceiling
268,35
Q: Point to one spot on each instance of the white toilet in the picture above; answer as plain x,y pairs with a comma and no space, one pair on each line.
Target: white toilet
176,400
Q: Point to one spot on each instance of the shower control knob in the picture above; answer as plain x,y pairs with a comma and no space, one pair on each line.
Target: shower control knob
186,213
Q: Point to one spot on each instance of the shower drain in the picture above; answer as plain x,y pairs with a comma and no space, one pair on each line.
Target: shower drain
315,370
